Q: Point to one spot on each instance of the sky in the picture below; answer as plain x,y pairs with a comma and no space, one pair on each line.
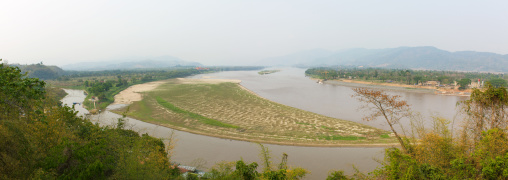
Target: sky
240,32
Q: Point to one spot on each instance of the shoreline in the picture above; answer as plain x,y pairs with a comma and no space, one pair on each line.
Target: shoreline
397,87
133,94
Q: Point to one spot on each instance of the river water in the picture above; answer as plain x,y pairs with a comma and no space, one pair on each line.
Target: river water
292,88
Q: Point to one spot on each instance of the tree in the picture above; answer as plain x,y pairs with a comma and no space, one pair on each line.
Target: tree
486,110
18,94
498,82
464,83
383,105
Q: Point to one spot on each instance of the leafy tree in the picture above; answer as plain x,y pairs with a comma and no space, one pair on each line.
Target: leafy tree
463,83
18,94
486,110
498,82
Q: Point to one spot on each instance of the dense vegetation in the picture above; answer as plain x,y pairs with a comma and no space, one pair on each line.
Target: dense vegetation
39,139
404,76
477,151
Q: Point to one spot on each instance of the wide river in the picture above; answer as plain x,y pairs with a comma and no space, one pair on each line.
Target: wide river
292,88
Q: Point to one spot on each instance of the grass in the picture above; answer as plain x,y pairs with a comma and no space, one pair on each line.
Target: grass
303,123
192,115
385,136
267,72
227,110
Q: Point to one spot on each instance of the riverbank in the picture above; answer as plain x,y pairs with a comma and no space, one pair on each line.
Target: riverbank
206,151
398,87
256,119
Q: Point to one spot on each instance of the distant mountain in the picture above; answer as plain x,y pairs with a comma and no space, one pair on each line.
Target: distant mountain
299,58
409,57
147,63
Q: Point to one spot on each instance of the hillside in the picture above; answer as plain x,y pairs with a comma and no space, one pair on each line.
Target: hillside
40,71
426,57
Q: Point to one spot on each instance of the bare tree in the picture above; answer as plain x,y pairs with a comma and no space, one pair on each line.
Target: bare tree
391,108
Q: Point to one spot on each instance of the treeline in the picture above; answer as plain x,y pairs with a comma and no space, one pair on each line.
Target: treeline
403,76
158,73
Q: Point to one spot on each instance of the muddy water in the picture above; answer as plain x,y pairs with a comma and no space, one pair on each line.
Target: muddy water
291,87
288,87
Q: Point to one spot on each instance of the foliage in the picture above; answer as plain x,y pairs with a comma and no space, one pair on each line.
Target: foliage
498,82
336,175
403,76
479,152
19,95
39,139
224,170
485,110
463,83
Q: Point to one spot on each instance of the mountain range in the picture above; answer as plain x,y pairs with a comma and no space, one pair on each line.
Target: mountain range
130,64
426,57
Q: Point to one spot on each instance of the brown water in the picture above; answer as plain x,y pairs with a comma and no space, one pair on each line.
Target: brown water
289,87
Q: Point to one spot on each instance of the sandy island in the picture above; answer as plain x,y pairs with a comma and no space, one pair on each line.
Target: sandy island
133,93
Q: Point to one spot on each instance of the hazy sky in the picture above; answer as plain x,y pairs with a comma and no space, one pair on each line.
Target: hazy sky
216,32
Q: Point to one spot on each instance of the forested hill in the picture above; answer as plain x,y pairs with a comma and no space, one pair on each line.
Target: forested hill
426,57
41,71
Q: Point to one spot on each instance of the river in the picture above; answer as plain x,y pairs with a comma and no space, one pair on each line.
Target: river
289,87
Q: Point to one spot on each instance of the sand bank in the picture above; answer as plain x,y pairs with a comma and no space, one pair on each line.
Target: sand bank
133,93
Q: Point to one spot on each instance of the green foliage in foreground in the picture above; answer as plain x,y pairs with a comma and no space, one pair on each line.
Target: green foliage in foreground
241,170
39,139
479,151
192,115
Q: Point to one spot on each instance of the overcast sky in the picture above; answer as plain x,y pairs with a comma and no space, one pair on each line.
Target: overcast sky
216,32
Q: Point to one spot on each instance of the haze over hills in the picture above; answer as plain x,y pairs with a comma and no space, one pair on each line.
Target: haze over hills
425,57
141,63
